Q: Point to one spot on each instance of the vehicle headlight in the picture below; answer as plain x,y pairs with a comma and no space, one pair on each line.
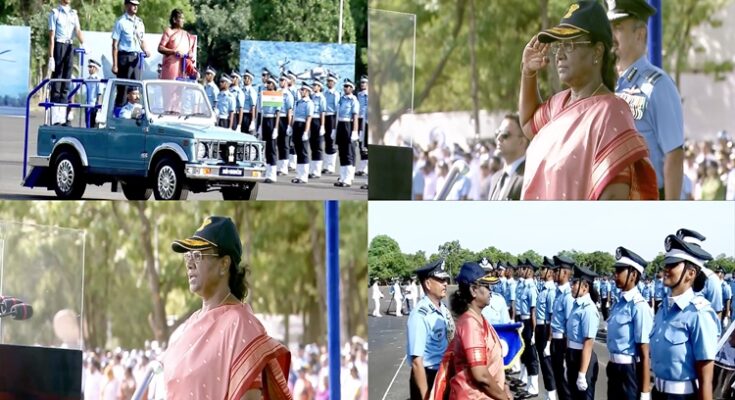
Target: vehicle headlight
201,150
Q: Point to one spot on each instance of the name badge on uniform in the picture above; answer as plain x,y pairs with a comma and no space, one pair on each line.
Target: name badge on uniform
636,100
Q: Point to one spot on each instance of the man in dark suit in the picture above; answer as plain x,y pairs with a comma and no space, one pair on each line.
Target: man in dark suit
512,146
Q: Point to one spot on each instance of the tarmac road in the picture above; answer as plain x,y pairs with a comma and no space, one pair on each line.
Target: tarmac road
11,171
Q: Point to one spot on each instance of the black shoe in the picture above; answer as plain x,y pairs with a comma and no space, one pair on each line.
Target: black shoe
364,187
525,395
342,184
297,180
268,180
327,172
359,173
279,173
312,176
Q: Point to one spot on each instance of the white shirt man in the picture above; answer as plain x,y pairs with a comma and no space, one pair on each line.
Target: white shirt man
377,295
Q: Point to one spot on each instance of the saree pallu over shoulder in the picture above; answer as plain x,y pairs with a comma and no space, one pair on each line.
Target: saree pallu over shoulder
580,149
222,354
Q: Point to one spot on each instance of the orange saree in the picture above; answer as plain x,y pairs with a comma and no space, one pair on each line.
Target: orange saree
223,353
475,343
581,148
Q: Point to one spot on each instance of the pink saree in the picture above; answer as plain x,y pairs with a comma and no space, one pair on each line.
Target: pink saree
475,343
182,42
223,353
579,150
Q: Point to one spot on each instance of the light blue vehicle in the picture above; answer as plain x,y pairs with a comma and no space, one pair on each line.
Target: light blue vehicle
163,143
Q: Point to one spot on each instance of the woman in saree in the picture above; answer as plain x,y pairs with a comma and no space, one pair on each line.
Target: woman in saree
473,362
175,44
222,351
583,140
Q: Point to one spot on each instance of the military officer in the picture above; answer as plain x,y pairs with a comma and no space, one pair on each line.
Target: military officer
239,96
543,319
294,89
63,24
605,296
225,103
265,75
362,97
683,343
269,132
128,44
284,126
511,284
250,95
562,308
581,330
318,129
210,88
526,299
430,328
628,331
650,93
345,134
303,118
94,89
332,96
496,312
712,289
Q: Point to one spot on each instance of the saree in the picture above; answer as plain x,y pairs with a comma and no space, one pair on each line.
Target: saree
475,343
182,42
223,353
580,149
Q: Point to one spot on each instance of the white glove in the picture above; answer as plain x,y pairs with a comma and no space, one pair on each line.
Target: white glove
533,338
355,137
275,134
289,131
581,382
646,396
51,65
333,135
305,137
322,131
547,349
251,128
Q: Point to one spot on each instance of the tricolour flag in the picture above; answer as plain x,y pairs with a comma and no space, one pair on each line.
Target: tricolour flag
272,99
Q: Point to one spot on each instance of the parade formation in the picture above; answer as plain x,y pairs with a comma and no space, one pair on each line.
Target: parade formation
661,336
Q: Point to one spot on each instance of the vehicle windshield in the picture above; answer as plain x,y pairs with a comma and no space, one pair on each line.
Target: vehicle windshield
178,99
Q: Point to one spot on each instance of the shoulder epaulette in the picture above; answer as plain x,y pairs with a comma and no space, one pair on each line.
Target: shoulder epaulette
653,77
422,310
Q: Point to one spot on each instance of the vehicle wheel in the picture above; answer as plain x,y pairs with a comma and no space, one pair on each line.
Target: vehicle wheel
68,176
168,181
136,190
249,192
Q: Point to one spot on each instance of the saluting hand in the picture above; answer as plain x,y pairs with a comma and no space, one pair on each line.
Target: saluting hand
535,56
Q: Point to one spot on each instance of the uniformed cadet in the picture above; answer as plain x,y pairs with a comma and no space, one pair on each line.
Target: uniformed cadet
225,103
726,299
239,97
563,303
526,299
500,287
511,284
345,134
284,126
581,329
614,292
303,118
265,75
210,88
127,44
628,331
332,97
712,289
294,89
318,129
650,93
430,328
543,320
250,95
362,97
605,291
269,132
659,291
683,343
645,290
496,312
63,24
94,89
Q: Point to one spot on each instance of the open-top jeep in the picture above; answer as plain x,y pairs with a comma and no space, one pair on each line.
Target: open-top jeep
167,146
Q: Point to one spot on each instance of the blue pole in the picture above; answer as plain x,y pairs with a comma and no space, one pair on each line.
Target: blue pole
655,28
333,337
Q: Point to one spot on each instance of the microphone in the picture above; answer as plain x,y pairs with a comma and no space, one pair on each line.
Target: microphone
459,168
154,368
19,311
6,303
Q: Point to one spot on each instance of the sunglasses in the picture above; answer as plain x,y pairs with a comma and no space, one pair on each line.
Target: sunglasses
196,257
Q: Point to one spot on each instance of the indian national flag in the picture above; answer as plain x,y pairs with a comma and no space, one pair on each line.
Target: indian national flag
272,99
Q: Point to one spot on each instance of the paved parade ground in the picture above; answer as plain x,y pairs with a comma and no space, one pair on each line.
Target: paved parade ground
389,373
11,167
